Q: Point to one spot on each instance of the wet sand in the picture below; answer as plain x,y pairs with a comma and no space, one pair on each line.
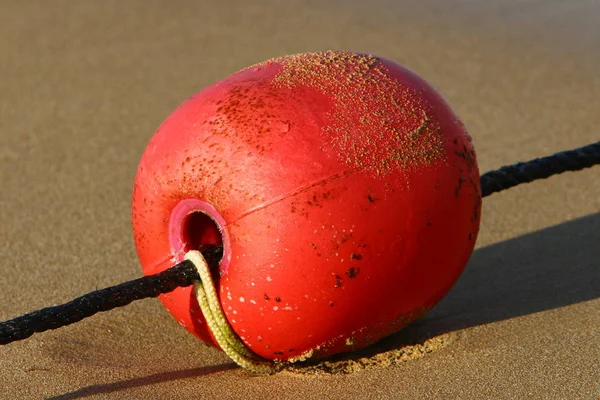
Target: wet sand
85,84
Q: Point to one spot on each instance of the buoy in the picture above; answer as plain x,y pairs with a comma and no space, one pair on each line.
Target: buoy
343,189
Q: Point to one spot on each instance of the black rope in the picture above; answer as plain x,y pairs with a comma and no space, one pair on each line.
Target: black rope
184,273
180,275
540,168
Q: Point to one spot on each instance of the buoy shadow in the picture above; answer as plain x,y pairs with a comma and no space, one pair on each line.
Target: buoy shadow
550,268
547,269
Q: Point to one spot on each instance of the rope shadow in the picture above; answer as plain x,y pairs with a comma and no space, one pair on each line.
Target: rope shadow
153,379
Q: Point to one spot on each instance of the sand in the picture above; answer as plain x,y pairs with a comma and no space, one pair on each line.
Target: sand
85,84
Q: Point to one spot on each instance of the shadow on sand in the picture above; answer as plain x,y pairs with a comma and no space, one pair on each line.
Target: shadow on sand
551,268
153,379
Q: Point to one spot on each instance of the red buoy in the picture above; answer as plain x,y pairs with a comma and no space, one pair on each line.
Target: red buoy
344,190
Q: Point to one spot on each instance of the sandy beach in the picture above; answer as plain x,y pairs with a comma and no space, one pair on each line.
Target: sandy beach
84,85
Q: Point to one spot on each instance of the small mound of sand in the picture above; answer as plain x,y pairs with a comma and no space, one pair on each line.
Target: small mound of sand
373,357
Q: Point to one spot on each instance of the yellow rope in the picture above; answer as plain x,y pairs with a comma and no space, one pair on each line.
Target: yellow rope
217,323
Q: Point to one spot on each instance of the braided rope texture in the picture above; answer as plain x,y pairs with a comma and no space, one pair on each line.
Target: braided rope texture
540,168
180,275
185,273
210,305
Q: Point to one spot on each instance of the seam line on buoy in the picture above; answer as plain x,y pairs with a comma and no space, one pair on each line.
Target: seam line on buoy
303,189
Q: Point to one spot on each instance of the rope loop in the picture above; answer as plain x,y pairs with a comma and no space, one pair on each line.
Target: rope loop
206,294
